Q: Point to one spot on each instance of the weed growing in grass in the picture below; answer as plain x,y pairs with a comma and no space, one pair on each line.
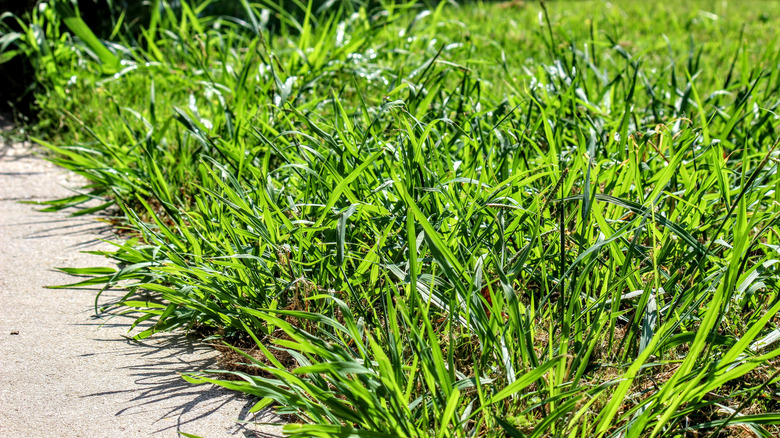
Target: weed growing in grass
456,221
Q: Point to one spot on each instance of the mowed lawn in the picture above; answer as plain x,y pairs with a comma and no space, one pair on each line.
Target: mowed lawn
506,219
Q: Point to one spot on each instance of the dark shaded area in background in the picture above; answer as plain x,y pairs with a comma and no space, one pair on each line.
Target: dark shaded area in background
16,74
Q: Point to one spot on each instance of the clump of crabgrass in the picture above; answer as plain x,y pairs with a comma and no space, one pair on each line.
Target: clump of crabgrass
476,220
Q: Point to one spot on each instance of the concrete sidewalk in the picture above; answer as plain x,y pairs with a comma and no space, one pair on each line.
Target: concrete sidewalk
66,373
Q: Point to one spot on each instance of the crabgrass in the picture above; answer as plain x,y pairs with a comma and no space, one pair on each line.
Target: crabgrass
510,219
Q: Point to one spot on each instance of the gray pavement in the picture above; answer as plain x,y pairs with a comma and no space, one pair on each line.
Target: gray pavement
65,372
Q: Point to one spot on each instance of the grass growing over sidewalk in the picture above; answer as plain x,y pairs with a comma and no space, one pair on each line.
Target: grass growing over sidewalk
481,220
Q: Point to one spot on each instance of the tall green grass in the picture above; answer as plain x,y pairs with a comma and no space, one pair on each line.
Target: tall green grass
479,220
